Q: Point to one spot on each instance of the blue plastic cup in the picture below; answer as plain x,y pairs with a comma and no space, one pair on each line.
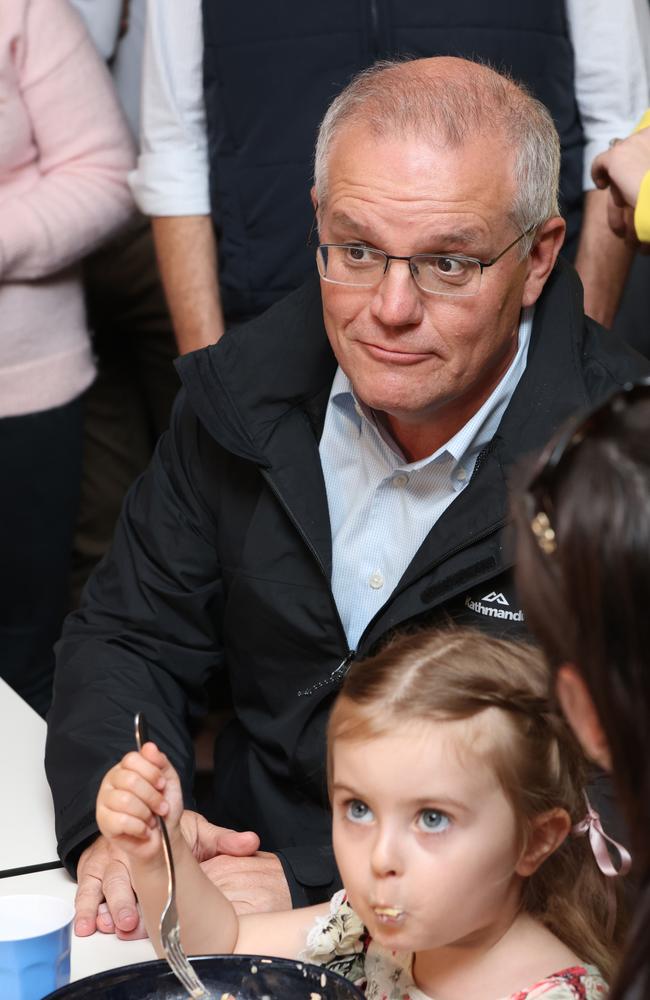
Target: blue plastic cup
35,934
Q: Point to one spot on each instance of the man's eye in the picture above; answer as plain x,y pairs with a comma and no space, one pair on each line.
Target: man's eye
360,255
434,272
358,812
451,267
432,821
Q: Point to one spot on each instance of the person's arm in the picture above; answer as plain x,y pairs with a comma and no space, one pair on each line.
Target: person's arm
186,249
146,639
171,183
78,195
602,261
132,795
611,43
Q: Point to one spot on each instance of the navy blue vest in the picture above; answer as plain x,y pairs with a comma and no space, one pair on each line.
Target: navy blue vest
272,68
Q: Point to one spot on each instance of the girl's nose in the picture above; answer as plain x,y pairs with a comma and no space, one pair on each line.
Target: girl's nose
386,855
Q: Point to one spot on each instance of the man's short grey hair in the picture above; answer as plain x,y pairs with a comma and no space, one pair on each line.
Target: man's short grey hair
396,99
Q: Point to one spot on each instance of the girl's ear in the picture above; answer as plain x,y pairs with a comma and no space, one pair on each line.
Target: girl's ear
580,712
547,831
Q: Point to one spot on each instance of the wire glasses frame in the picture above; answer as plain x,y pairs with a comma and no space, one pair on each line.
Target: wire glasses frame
539,490
421,266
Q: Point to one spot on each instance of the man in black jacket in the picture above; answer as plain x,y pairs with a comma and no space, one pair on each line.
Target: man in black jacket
298,511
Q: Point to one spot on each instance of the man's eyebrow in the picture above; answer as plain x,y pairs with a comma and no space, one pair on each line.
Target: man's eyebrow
457,238
345,221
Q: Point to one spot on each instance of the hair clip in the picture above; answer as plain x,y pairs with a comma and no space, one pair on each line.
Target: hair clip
599,841
544,533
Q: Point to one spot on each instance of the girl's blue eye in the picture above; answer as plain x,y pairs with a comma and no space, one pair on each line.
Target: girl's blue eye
358,812
432,821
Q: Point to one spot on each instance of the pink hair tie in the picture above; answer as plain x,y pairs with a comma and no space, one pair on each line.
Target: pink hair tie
600,841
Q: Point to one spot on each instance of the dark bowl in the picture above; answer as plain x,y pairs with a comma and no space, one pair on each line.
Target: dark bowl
246,977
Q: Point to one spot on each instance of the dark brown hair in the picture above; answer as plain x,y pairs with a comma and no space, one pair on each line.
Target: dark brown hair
458,674
588,603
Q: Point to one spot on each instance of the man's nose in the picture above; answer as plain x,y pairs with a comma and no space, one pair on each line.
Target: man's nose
386,856
397,300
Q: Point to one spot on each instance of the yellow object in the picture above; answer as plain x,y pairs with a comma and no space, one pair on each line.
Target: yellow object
645,122
642,210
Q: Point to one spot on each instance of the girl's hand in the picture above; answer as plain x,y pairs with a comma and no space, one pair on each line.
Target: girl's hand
141,787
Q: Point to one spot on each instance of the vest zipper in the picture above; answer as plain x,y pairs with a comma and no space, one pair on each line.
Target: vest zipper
374,27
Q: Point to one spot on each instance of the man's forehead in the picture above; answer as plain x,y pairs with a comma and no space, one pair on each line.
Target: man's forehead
411,166
409,195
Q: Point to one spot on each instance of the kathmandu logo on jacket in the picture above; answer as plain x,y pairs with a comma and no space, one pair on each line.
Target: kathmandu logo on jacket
488,605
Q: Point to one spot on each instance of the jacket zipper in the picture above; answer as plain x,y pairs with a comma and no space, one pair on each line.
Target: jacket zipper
336,675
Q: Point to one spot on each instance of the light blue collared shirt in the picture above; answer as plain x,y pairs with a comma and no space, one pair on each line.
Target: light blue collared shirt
381,506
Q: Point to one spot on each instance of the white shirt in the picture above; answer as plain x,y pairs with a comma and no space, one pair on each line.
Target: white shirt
611,43
382,507
102,19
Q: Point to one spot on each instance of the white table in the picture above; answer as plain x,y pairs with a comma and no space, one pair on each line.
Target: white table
27,837
89,954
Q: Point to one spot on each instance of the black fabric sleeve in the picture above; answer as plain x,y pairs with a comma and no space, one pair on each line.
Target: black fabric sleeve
145,638
311,874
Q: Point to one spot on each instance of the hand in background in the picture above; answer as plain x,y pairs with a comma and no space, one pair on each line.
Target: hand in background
255,884
622,169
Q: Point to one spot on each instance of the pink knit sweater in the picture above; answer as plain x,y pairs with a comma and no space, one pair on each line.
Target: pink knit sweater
64,155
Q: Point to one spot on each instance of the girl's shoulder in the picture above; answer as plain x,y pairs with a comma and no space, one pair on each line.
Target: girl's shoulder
578,982
338,941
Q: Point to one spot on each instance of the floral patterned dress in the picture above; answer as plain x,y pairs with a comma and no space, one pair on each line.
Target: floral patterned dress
340,942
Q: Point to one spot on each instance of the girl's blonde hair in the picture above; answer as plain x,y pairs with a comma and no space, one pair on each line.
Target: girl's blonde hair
456,674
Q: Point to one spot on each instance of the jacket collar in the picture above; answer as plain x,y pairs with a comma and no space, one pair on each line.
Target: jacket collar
245,387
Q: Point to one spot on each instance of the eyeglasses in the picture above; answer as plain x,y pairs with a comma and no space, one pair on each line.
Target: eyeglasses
539,491
439,274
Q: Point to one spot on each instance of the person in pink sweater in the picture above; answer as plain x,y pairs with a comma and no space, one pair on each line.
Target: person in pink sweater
65,152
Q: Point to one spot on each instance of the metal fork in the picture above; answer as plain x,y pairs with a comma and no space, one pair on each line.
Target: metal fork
169,930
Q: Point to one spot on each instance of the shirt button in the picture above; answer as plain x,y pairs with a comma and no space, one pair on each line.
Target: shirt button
461,474
401,479
376,580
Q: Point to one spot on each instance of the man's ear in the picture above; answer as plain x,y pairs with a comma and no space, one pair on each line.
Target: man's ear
580,712
541,259
547,832
314,199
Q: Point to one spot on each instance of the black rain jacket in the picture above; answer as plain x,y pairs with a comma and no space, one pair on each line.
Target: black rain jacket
222,561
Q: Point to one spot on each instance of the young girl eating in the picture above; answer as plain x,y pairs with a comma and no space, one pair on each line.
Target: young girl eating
456,791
